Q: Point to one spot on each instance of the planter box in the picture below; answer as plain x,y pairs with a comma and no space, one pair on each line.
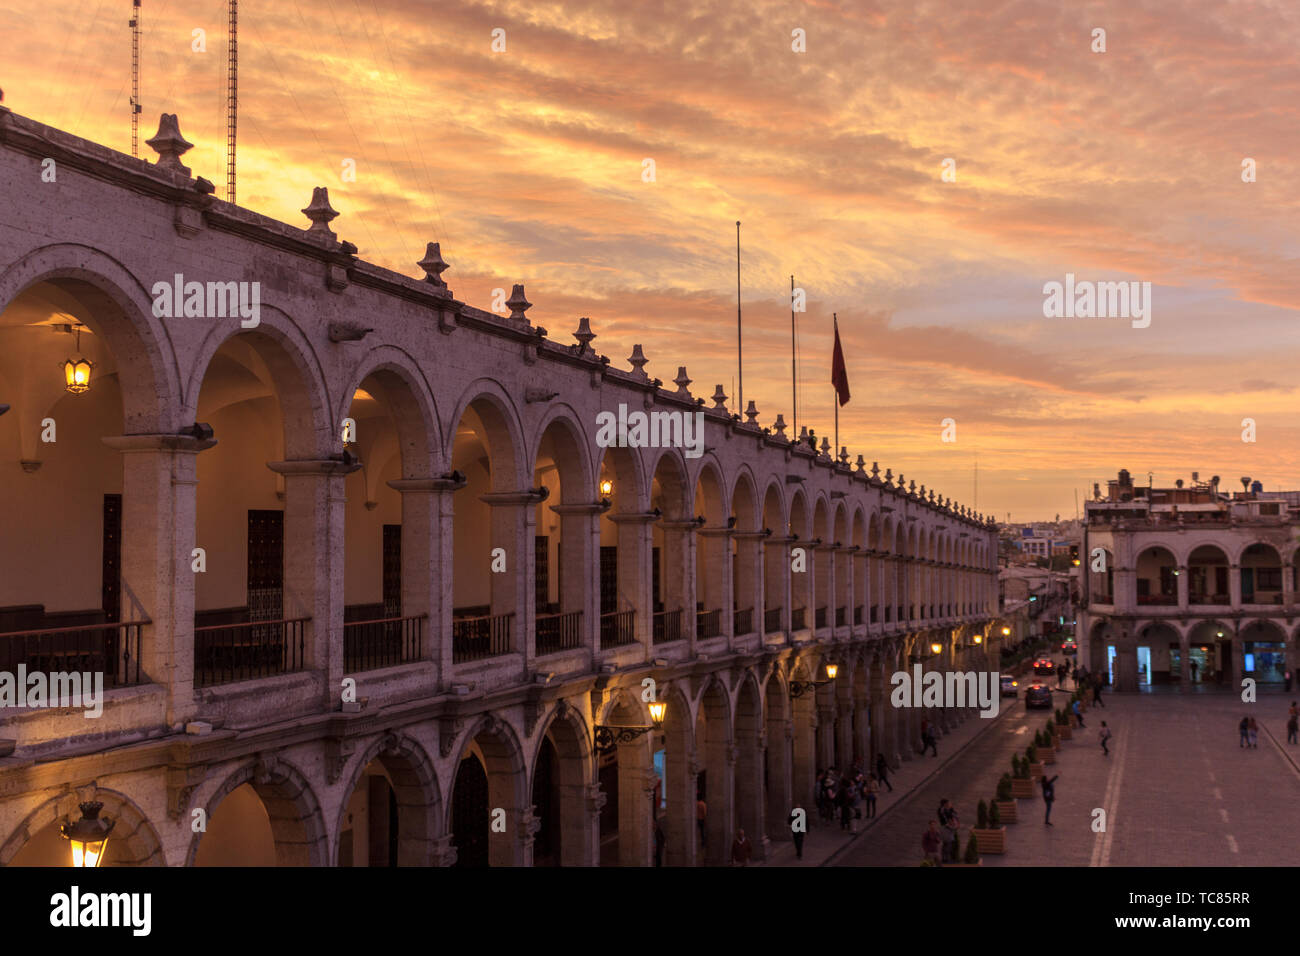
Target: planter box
1047,755
991,841
1022,788
1036,770
1074,721
1007,808
1065,733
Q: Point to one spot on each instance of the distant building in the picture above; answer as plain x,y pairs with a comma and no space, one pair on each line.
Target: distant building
1189,584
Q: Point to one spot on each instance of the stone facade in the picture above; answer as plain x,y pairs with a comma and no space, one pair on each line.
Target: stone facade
356,717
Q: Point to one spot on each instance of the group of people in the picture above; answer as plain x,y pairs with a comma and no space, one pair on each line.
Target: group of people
1087,680
848,795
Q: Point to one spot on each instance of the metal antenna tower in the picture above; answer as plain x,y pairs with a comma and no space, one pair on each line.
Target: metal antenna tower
135,78
232,100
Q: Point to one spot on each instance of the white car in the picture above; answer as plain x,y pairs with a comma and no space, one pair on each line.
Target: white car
1010,686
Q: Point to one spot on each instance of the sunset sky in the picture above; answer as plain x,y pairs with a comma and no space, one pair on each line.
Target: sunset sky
527,166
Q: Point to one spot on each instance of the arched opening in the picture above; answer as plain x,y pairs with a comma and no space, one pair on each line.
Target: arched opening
898,586
751,768
744,558
562,559
489,534
1207,576
559,794
39,841
841,559
802,560
778,760
715,784
391,813
1261,575
390,521
711,554
670,554
71,496
1101,582
776,561
624,551
487,812
674,753
627,818
875,567
268,503
1263,652
1157,655
264,815
1157,582
858,560
807,763
1209,653
823,585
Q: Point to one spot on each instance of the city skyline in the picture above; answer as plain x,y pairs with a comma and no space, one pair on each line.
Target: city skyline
527,166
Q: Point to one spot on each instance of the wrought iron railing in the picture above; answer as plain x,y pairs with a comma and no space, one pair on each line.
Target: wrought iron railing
667,626
771,620
797,619
110,649
558,632
386,642
744,621
617,629
708,624
225,653
477,638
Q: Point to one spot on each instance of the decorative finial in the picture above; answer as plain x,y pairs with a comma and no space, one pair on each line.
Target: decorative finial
889,475
719,399
875,469
638,361
751,413
518,303
320,213
169,144
911,489
780,425
826,447
860,465
923,492
682,381
433,265
931,496
844,455
584,335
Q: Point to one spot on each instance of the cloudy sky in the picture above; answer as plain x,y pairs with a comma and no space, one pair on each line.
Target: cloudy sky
527,165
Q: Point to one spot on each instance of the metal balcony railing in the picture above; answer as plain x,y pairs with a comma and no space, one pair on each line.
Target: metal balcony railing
771,620
477,638
558,632
667,626
708,624
110,649
617,629
369,645
744,621
797,619
225,653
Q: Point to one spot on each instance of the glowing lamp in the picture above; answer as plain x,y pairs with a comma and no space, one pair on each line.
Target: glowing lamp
1006,632
979,638
88,836
606,487
936,648
657,710
77,372
832,670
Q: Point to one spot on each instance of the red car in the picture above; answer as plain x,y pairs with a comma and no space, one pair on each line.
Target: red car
1044,665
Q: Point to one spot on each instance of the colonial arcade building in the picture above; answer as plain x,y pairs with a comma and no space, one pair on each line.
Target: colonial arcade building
1190,585
363,586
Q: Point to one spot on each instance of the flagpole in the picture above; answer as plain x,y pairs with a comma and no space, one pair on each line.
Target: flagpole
836,402
740,360
794,373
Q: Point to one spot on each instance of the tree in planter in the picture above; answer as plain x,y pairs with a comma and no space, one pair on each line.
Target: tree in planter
972,850
995,816
982,816
1004,785
1031,753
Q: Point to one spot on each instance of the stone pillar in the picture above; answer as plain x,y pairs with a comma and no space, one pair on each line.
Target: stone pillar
780,777
677,580
681,834
806,760
720,784
1184,659
634,581
159,507
1234,585
844,734
314,561
713,552
427,512
514,521
1183,584
443,852
580,561
749,789
579,840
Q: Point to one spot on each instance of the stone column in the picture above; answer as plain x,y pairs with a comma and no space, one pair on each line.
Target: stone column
314,561
750,815
714,554
514,522
776,578
580,562
159,507
678,578
1184,658
1183,585
427,512
634,581
780,776
681,834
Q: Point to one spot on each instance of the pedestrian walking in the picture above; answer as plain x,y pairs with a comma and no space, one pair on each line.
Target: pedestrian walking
1062,674
1077,708
1292,726
949,825
869,790
1049,795
932,843
741,849
927,738
855,803
844,801
701,815
1254,734
882,771
797,834
1096,691
1244,729
1104,736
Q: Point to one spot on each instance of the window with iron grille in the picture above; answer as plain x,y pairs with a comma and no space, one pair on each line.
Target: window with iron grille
392,570
608,579
542,570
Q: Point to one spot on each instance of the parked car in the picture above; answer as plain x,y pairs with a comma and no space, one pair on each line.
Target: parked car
1044,665
1038,695
1010,686
1070,647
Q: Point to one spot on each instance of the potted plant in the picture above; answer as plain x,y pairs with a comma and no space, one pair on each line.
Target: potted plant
1063,726
971,856
1005,802
1046,752
1035,765
988,833
1022,787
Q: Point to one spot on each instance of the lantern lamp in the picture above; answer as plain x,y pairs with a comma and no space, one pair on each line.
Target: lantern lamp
606,487
77,370
657,710
1006,632
936,648
88,836
832,670
978,638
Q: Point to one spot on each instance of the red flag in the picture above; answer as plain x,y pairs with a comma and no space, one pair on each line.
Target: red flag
839,374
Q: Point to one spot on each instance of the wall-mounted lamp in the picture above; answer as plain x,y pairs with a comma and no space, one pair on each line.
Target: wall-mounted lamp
800,687
606,487
88,836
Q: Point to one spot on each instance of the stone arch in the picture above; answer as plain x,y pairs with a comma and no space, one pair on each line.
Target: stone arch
668,469
419,801
119,308
563,834
502,436
576,484
411,403
297,823
503,763
134,840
